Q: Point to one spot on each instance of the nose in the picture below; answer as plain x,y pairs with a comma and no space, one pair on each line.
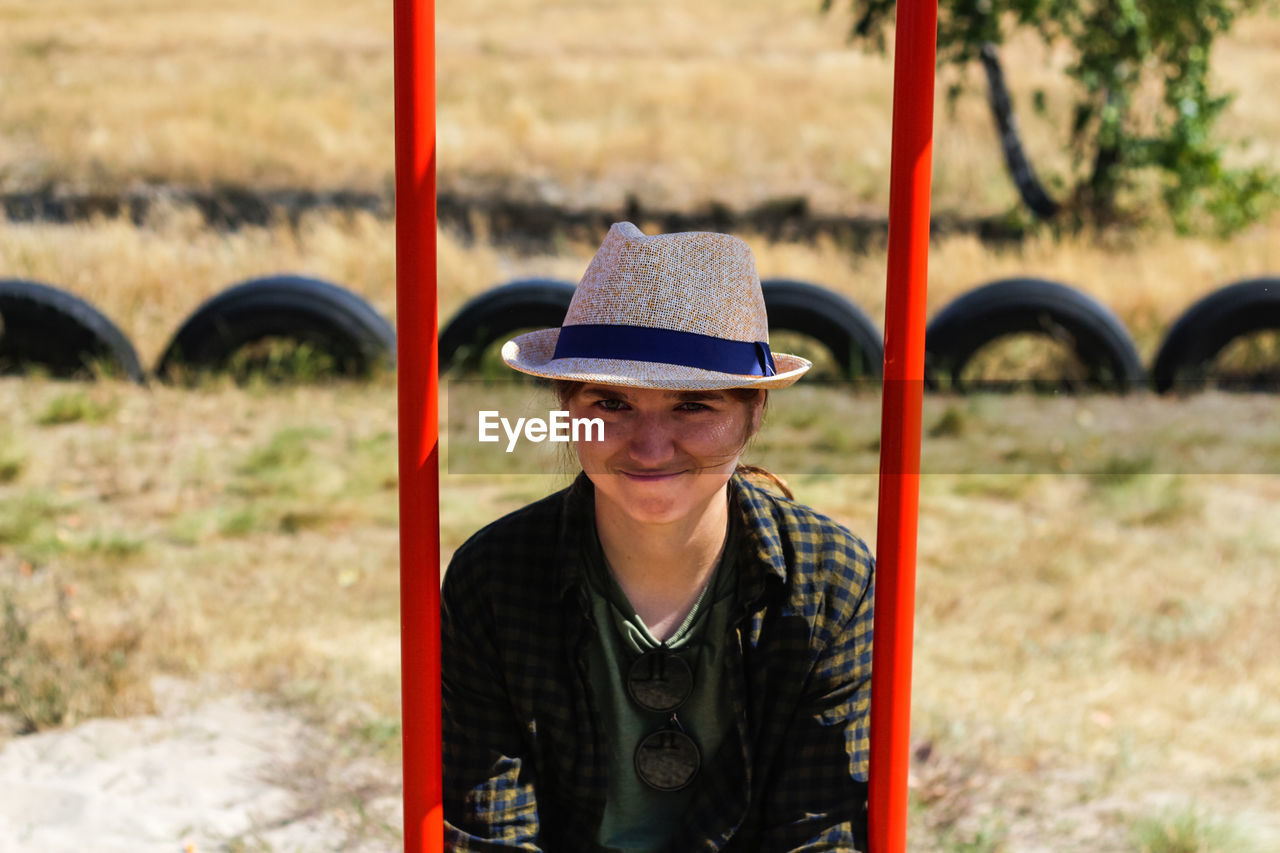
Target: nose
651,441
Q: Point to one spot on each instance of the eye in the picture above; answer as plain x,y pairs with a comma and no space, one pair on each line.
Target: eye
693,407
610,404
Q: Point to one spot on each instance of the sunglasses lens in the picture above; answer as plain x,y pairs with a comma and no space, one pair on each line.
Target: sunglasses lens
659,681
667,760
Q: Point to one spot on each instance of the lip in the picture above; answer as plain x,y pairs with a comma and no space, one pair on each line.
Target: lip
651,476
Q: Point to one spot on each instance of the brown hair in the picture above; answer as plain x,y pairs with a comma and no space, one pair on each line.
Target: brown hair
565,389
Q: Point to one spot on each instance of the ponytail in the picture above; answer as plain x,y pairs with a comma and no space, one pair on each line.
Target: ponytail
765,474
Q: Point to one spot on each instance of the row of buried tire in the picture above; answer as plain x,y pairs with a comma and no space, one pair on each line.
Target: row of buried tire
63,335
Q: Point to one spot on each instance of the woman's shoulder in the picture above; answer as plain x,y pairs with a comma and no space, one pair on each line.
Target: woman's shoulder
791,516
815,549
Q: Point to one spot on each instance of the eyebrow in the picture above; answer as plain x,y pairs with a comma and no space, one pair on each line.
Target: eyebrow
682,396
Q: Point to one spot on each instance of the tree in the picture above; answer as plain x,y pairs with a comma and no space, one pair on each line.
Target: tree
1118,46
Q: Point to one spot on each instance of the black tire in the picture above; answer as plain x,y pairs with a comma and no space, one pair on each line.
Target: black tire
1204,329
838,324
1088,328
329,318
494,315
60,332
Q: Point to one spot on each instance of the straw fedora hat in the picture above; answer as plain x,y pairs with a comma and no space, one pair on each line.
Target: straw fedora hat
674,311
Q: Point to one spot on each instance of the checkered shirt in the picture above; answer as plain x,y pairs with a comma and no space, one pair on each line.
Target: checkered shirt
524,758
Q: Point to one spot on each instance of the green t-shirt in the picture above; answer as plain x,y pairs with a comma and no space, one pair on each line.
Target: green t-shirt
638,818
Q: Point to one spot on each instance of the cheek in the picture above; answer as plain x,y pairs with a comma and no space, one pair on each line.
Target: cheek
721,437
722,432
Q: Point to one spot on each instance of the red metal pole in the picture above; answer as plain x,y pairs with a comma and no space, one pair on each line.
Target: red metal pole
915,50
417,388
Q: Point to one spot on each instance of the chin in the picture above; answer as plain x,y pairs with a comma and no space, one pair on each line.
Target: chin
650,501
657,513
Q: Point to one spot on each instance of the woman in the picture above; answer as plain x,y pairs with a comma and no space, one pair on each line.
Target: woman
664,656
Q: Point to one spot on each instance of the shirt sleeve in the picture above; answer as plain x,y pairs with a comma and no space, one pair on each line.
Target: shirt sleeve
490,800
818,797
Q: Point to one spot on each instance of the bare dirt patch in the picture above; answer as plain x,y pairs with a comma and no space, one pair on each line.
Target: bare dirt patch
206,772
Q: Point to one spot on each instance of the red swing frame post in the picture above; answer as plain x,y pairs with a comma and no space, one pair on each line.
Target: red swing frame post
418,401
915,49
418,404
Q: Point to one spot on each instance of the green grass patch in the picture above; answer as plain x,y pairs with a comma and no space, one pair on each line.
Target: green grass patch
1145,499
288,448
76,407
1188,831
27,525
242,522
288,464
1164,503
381,734
13,458
252,518
374,463
275,361
268,363
10,469
113,546
1009,487
1118,470
951,423
298,519
987,839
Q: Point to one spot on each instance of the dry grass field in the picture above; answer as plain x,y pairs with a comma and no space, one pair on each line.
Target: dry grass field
1096,655
579,103
1096,660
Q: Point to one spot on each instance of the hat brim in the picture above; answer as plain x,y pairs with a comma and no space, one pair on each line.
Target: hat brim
532,353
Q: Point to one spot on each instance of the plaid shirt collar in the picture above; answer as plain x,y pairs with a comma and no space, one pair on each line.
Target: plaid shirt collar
761,560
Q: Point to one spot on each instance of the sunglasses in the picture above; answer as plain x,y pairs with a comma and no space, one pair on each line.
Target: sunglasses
661,681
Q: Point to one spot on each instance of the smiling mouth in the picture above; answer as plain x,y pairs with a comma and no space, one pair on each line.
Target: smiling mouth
651,476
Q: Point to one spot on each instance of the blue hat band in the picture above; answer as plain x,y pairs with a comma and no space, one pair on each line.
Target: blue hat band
665,346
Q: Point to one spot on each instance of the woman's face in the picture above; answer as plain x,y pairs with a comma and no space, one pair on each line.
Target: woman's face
665,454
